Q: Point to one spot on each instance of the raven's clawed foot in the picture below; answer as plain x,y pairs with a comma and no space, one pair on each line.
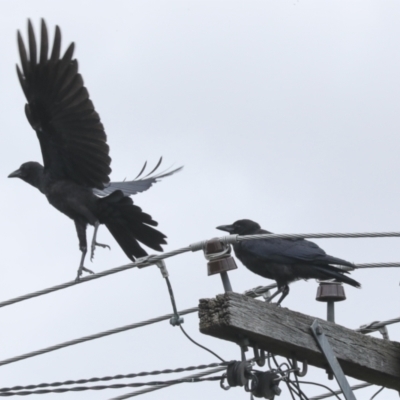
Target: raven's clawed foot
284,290
80,271
104,246
270,298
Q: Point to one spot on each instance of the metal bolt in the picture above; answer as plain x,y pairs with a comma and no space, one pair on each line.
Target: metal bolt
277,390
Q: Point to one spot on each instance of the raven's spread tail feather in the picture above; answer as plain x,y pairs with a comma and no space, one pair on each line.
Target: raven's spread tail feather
129,225
331,272
337,261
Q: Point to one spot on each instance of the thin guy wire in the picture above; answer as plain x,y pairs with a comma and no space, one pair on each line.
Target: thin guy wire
200,345
296,388
326,395
110,378
140,263
376,394
115,386
151,389
176,320
324,386
291,365
95,336
287,380
152,259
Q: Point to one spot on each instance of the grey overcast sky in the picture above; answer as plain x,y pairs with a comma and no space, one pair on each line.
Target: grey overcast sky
285,112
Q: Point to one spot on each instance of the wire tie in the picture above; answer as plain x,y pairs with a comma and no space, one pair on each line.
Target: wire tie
163,268
384,332
143,261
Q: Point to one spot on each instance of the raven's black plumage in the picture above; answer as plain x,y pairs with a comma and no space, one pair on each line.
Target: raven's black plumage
285,260
75,151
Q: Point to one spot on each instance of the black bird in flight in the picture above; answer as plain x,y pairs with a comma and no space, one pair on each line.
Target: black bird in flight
75,175
284,260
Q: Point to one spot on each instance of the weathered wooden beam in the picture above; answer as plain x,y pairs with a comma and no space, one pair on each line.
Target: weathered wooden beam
283,332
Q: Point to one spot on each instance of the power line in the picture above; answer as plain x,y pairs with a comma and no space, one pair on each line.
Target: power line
109,332
114,377
236,238
114,386
156,259
153,259
140,263
151,389
95,336
258,291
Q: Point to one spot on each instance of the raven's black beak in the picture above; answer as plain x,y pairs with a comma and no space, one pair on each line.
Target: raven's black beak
15,174
226,228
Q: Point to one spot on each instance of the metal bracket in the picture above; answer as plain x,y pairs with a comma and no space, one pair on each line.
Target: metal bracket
326,349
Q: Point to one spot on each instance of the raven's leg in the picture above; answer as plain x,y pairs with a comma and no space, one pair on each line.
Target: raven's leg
94,243
269,299
81,231
285,291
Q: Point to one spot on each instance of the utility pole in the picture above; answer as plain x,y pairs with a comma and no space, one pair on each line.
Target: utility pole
287,333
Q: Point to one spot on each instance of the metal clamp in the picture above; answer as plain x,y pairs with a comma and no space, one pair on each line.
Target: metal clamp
259,356
304,369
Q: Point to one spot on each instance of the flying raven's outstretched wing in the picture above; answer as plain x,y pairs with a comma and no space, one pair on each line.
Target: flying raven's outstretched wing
137,185
71,136
75,153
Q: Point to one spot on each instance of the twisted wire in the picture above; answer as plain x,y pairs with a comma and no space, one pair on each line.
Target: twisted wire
259,290
378,265
115,386
114,377
95,336
151,389
236,238
376,325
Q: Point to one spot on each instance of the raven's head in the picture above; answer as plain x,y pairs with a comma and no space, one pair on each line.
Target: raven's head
241,227
30,172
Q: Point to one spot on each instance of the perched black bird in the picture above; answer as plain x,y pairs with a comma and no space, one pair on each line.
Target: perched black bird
284,260
75,176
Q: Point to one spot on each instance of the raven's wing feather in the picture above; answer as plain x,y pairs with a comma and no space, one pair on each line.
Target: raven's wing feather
71,136
290,251
136,185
